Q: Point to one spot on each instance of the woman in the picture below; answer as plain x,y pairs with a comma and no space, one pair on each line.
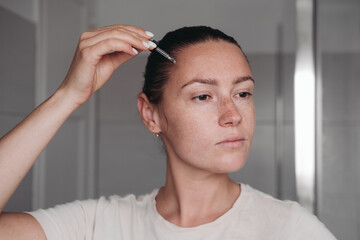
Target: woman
201,107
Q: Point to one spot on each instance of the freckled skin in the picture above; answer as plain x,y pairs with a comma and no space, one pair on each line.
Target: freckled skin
191,128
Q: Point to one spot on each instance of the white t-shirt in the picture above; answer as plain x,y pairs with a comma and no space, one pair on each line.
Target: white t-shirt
254,215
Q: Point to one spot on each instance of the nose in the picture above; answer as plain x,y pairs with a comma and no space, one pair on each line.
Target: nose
229,113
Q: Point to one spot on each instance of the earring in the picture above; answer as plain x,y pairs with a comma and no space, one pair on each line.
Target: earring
156,134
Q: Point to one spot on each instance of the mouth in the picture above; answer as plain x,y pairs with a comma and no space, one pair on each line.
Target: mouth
232,142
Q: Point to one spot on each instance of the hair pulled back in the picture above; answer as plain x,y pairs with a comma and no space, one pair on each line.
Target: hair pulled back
158,68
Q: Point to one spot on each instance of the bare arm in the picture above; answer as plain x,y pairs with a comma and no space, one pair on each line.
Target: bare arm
91,68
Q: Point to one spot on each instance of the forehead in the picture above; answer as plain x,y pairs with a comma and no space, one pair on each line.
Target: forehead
212,59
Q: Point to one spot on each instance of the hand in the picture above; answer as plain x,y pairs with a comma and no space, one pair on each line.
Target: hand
99,53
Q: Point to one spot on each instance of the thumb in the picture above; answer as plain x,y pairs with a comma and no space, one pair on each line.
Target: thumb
118,58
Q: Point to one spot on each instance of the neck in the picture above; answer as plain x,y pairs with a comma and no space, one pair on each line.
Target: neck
195,197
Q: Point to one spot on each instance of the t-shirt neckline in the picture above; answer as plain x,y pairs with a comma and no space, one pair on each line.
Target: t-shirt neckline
237,206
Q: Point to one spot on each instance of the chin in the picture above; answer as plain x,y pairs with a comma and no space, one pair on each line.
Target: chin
231,164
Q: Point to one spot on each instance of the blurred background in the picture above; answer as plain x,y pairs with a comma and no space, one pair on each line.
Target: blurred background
104,149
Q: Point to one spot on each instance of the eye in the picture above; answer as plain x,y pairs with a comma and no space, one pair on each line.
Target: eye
243,94
202,97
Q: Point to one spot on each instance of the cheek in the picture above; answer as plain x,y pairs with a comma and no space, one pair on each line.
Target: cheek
186,130
187,127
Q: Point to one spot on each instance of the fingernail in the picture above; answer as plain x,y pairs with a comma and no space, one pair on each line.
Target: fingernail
150,34
135,51
146,44
152,44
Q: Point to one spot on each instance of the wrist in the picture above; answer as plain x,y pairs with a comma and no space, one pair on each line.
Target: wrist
64,101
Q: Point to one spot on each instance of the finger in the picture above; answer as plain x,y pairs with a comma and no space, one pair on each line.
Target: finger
132,38
138,30
118,58
94,53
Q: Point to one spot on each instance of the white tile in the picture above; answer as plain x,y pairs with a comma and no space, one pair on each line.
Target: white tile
340,216
288,183
339,161
131,160
63,31
287,79
17,68
263,67
118,97
340,76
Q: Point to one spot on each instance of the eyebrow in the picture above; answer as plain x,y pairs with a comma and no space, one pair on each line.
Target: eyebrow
214,82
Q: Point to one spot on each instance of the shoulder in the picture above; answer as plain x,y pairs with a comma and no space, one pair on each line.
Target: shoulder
305,225
291,220
266,203
85,218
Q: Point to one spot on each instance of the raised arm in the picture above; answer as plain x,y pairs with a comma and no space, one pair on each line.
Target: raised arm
98,54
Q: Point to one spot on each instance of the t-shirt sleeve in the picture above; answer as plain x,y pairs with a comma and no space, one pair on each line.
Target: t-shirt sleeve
305,225
73,220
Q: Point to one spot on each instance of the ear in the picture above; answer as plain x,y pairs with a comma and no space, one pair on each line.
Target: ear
149,113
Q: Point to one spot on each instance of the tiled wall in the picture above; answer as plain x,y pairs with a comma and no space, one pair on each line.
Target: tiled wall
131,158
341,143
17,81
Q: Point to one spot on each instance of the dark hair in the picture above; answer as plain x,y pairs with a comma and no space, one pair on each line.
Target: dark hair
157,70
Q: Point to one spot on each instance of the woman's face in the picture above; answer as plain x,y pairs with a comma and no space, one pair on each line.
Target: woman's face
207,117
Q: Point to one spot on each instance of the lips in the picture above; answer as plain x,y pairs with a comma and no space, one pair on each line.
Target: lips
231,142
